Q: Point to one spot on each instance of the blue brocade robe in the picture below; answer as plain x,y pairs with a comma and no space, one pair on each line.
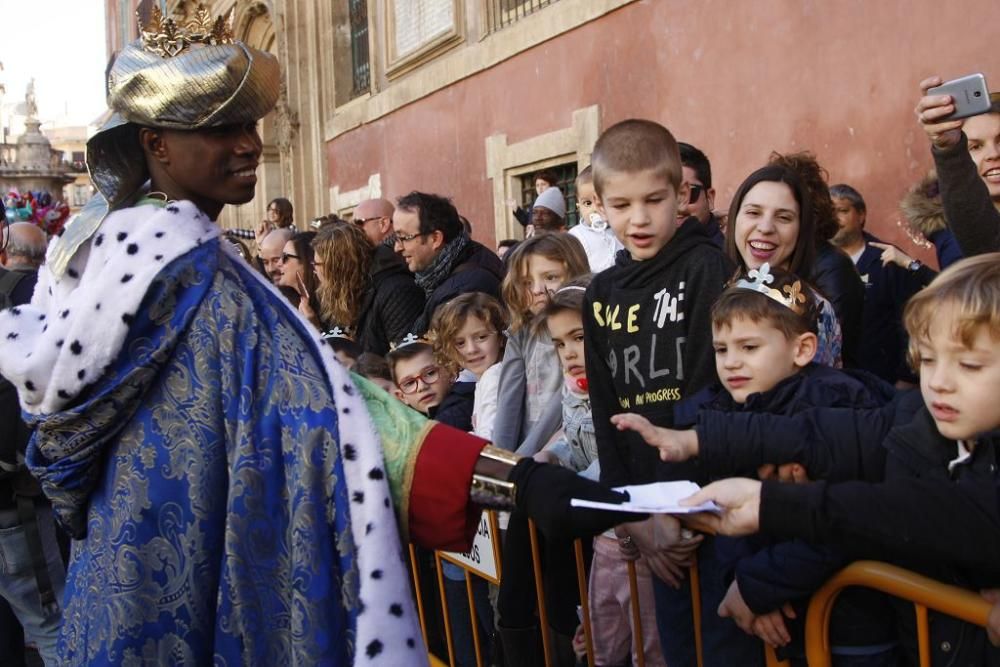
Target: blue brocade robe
221,478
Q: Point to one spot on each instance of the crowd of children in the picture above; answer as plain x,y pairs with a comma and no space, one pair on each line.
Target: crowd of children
658,340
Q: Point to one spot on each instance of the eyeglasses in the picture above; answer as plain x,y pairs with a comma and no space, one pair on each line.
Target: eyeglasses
364,221
695,191
428,376
405,238
285,256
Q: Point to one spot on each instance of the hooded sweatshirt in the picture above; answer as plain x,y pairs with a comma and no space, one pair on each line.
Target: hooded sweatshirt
648,337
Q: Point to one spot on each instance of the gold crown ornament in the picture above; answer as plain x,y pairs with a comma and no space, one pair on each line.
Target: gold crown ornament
790,296
166,38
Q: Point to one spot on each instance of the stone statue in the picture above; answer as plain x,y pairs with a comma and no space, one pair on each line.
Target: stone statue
30,104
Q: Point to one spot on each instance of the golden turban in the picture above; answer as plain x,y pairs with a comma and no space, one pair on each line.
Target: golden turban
183,78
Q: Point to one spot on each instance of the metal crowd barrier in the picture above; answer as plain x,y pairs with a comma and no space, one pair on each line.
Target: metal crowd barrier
484,561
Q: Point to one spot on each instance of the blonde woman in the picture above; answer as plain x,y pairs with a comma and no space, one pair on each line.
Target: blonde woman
375,299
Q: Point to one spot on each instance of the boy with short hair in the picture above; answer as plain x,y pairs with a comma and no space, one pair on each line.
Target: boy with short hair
426,386
592,230
946,432
648,329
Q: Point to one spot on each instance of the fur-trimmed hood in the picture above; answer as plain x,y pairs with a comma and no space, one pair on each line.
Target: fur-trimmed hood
922,208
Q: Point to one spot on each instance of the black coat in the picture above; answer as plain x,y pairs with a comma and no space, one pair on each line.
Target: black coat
391,304
836,278
944,524
477,270
771,574
887,289
14,433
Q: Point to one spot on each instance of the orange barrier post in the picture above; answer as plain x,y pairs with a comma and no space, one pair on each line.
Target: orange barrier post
581,580
543,616
444,608
473,619
633,591
696,607
922,591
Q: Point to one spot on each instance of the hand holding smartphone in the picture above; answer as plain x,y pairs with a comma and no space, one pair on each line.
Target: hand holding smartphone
969,94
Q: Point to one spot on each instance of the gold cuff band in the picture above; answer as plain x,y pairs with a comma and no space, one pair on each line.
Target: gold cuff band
501,455
492,493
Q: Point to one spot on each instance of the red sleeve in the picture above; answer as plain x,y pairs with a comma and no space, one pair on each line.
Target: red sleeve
441,515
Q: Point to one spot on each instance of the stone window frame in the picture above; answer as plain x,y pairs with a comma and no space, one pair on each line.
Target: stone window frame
397,65
507,163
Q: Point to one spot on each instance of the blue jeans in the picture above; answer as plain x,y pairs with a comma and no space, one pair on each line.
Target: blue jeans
723,643
19,587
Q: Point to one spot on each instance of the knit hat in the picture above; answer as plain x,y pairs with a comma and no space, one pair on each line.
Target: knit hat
553,200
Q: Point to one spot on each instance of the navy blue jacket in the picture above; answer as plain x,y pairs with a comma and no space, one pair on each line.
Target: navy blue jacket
887,289
792,571
899,444
456,408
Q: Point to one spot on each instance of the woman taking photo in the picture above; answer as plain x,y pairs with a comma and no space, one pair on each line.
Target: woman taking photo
297,273
375,299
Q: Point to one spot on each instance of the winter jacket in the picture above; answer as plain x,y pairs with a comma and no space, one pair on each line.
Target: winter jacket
648,337
791,571
887,289
392,302
836,278
456,408
899,444
478,270
968,208
528,398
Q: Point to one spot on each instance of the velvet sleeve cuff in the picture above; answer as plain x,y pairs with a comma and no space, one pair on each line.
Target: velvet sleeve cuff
440,513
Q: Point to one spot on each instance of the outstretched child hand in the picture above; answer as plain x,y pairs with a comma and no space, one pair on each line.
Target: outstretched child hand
674,446
740,503
735,607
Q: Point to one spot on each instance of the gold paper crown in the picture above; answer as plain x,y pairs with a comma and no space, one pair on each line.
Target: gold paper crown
790,296
164,37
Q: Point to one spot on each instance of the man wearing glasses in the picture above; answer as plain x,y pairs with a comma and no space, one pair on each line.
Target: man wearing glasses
374,217
697,175
444,260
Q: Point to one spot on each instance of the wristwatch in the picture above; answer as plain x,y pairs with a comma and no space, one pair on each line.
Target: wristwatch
914,265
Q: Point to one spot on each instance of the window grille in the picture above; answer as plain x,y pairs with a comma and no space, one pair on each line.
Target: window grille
565,180
503,13
360,62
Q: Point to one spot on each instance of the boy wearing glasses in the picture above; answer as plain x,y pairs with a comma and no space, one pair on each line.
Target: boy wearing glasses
599,242
427,387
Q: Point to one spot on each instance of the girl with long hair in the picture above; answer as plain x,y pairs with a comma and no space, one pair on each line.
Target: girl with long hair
530,376
376,300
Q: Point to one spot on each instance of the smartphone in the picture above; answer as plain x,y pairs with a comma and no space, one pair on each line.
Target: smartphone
969,94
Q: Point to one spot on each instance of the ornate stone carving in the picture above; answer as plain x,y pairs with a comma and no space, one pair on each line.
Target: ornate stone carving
286,123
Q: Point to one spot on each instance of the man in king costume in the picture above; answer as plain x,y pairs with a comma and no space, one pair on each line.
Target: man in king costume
234,495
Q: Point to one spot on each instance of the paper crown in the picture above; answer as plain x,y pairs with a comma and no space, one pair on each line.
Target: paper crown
408,339
339,332
166,38
790,296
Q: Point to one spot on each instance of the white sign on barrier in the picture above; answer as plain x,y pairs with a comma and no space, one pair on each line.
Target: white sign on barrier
484,556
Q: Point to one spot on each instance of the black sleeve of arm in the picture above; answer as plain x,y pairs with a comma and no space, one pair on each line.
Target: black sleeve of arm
955,522
968,208
785,572
831,443
603,401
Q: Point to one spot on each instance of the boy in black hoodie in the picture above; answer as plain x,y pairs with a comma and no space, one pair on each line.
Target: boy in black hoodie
647,328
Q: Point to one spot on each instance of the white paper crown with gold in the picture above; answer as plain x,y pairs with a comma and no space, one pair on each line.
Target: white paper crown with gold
790,296
183,74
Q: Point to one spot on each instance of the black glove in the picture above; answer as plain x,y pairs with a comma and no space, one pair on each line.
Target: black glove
544,492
